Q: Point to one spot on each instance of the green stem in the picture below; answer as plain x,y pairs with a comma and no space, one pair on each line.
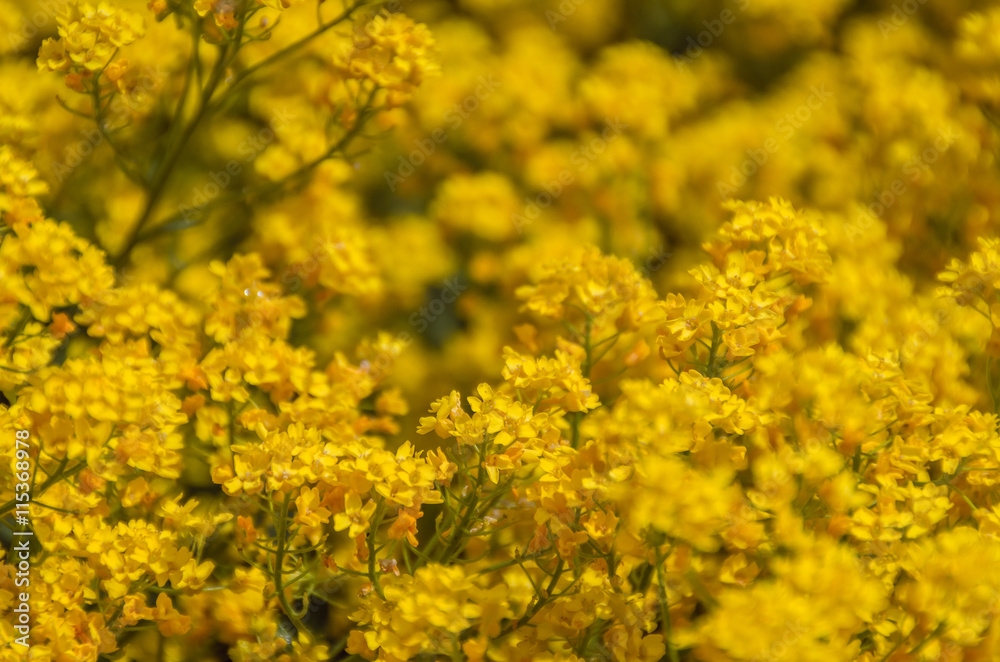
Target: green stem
180,220
540,602
129,168
291,48
710,366
919,647
372,530
16,330
495,496
279,560
665,614
891,651
470,510
52,480
446,523
175,147
517,561
338,646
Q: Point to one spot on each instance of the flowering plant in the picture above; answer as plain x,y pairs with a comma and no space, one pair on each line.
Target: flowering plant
503,331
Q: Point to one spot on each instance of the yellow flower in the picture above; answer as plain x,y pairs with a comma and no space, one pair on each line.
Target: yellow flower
741,341
557,381
246,304
248,474
89,36
604,287
482,205
169,621
224,12
355,516
392,52
310,515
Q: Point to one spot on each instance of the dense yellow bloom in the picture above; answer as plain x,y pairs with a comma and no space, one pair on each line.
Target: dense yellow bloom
246,303
72,270
18,178
392,52
645,109
606,288
482,205
559,378
355,517
699,301
89,36
947,587
420,613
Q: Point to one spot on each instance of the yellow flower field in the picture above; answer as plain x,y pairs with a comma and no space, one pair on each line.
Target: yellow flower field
500,330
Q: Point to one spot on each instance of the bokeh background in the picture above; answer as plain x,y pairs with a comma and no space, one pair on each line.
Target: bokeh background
394,250
825,103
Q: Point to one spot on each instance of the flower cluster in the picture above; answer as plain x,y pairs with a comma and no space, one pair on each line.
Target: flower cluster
391,52
504,331
89,37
